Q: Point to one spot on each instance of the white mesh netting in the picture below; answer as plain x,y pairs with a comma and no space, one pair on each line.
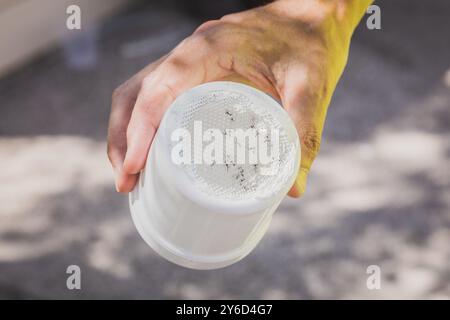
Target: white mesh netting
226,110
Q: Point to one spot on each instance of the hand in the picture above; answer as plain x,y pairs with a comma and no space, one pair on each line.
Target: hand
293,50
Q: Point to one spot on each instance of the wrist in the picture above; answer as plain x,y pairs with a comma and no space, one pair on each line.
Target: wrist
332,19
331,22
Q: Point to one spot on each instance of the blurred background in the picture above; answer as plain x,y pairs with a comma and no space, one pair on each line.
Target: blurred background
379,192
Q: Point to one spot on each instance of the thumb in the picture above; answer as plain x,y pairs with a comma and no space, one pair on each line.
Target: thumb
310,144
299,186
306,104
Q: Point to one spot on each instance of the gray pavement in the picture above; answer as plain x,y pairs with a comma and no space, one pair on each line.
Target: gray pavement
379,192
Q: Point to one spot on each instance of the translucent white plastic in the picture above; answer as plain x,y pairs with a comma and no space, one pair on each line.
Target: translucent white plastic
203,216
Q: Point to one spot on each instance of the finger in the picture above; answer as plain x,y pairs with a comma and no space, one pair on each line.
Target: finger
120,115
189,65
304,107
123,100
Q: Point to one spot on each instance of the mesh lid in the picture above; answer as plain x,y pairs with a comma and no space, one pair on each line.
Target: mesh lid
226,108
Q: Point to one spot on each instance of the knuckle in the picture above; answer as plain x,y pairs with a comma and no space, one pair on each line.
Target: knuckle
199,40
170,67
206,25
174,63
146,81
160,88
115,147
227,18
122,93
232,18
111,152
168,90
310,139
118,92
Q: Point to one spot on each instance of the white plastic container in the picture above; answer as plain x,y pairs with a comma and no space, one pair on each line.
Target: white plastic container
203,216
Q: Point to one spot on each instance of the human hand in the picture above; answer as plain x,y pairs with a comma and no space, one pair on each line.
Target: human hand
293,50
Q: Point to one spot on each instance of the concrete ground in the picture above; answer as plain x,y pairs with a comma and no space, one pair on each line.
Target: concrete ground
379,193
